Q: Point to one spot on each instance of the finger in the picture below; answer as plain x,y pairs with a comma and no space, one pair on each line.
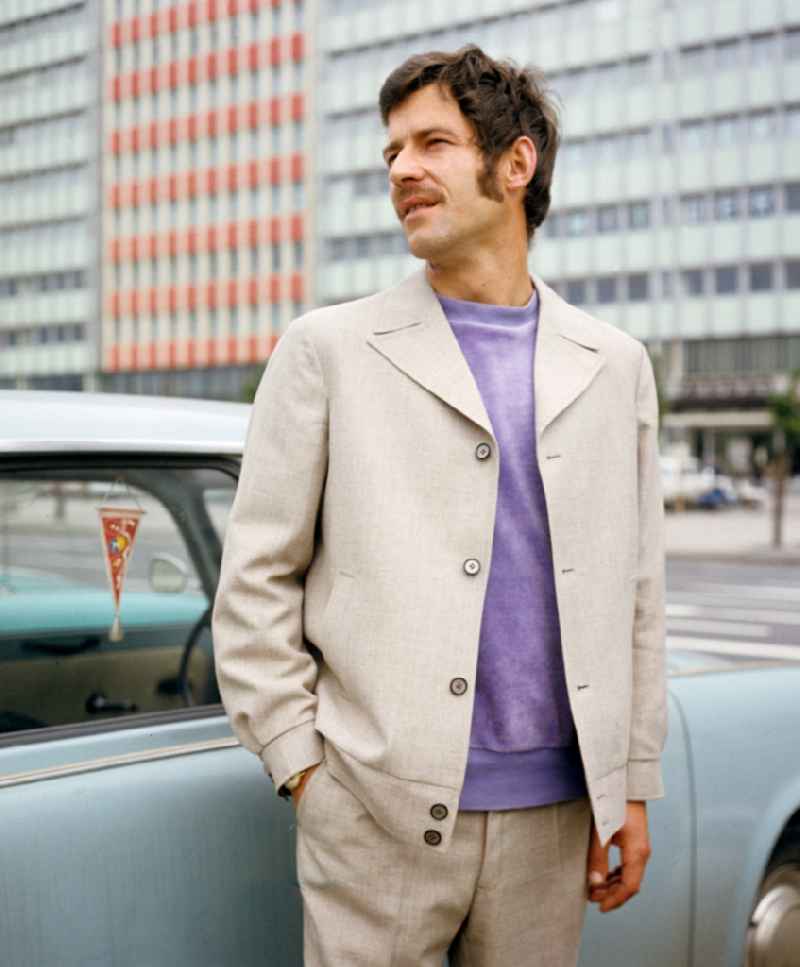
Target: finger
623,887
596,861
615,897
598,893
633,864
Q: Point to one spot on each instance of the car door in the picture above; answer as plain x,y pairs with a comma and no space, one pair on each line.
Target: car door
134,829
654,927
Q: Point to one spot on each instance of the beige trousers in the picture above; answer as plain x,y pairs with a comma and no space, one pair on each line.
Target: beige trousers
510,891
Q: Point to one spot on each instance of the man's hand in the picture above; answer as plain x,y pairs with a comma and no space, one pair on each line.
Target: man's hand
298,792
613,889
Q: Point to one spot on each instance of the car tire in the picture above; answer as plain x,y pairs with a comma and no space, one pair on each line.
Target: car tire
773,934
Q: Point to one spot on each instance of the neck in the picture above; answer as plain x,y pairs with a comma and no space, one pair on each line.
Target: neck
494,281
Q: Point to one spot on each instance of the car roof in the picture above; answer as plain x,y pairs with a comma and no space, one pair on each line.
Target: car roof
44,421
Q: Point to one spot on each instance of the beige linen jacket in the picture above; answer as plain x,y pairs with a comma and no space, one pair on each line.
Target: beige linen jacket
345,615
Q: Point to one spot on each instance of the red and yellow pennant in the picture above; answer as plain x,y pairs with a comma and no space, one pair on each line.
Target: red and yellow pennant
119,526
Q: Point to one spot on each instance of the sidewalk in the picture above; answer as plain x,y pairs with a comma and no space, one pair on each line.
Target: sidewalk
734,534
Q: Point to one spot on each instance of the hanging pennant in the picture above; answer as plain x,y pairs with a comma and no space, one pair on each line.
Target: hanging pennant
118,533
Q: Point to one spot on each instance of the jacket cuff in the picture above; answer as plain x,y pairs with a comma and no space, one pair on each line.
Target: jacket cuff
293,751
644,779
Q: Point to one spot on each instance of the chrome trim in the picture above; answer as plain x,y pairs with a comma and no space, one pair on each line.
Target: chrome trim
110,762
205,448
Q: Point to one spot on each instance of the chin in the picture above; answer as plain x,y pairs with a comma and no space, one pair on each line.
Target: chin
429,248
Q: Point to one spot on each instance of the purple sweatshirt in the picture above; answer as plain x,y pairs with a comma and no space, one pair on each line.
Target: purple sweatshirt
523,746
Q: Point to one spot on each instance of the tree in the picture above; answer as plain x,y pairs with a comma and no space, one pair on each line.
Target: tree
785,411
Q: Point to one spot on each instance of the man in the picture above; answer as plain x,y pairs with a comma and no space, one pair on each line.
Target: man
440,614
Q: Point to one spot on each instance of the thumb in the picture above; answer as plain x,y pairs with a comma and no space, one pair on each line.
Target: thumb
597,860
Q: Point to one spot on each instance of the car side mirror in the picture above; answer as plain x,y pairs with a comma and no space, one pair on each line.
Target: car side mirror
168,574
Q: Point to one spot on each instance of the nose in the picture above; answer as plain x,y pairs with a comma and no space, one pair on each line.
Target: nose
405,167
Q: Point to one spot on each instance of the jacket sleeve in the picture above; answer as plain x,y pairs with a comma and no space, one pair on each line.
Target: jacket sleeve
649,711
265,673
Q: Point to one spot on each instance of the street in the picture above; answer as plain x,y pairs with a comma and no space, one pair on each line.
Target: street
734,607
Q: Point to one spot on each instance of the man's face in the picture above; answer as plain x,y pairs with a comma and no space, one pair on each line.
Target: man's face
434,170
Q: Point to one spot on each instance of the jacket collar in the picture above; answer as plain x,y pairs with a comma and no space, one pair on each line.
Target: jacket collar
413,333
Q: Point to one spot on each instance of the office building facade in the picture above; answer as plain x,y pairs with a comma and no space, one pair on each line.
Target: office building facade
676,197
207,237
50,100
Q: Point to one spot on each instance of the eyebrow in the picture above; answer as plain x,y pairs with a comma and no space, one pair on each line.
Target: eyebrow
426,132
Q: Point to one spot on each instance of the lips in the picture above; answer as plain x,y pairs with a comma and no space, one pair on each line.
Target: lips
409,208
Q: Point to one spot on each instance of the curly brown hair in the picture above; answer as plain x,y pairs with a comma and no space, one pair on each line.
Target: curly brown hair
500,100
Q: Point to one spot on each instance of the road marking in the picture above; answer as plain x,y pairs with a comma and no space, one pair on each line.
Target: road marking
747,649
706,600
774,617
738,629
778,591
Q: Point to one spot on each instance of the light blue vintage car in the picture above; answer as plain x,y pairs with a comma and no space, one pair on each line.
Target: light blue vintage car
133,828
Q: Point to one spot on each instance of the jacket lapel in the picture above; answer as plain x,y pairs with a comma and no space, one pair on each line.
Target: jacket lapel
567,359
414,335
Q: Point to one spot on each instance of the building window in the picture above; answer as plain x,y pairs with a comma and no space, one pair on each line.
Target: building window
694,209
576,291
638,287
694,60
762,125
637,143
791,196
728,130
606,290
607,218
726,279
761,202
791,120
694,134
763,49
639,214
551,225
726,205
727,54
692,282
761,277
791,269
576,222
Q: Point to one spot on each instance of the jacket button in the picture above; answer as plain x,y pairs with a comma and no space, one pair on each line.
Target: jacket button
472,566
439,811
483,451
433,837
458,686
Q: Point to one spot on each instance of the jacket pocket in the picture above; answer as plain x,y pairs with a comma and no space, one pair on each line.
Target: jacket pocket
309,789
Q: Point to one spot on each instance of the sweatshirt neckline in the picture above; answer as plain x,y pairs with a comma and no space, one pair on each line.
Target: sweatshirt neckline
462,310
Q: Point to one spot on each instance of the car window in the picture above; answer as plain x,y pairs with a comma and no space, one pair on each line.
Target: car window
68,654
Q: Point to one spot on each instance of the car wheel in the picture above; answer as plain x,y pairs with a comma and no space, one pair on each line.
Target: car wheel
773,934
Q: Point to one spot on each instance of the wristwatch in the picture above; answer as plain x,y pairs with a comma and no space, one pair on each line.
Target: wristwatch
292,783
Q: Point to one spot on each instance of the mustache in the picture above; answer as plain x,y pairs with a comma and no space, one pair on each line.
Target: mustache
426,197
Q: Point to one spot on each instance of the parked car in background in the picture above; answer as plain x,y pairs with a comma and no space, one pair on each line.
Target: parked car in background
686,483
135,830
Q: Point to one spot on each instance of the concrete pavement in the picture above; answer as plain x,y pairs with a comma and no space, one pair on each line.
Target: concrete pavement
734,534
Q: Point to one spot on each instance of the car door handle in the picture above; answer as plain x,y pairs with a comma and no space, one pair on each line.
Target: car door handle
97,702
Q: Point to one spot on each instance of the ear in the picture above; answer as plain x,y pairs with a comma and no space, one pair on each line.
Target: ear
521,159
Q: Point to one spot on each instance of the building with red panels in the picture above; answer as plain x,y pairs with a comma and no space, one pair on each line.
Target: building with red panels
205,226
